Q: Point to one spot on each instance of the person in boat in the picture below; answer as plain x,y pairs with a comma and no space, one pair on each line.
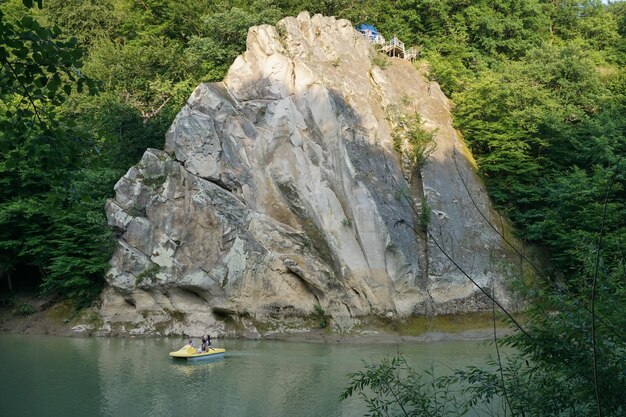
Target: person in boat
206,343
190,343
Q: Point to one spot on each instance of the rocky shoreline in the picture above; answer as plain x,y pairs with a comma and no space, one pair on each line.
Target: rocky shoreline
59,319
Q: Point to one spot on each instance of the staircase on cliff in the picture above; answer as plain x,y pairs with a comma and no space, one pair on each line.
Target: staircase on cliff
394,48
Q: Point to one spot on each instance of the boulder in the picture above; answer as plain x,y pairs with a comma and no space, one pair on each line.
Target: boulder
282,188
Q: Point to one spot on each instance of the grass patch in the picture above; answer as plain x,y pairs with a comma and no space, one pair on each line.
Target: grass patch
380,60
150,273
155,182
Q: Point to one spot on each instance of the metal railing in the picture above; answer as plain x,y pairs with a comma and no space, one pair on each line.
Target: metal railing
394,48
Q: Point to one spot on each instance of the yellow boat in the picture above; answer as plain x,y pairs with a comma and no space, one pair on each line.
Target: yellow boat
190,353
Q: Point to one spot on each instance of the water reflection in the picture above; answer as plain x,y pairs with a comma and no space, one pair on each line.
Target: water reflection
195,369
135,377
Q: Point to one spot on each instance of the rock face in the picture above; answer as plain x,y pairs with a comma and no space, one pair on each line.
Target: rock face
280,189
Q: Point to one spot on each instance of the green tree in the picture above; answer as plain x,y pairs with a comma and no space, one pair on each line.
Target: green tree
541,129
223,38
40,150
79,242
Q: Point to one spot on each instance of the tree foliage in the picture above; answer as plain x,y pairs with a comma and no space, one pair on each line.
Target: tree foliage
40,150
393,388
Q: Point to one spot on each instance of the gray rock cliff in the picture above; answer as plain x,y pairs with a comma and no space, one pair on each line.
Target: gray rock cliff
280,189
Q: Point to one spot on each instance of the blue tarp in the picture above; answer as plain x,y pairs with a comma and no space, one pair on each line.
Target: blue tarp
365,27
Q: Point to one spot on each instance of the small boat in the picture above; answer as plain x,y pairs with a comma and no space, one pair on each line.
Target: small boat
190,353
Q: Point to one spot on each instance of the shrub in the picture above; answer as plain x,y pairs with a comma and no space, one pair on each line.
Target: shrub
319,310
24,309
410,130
421,140
150,273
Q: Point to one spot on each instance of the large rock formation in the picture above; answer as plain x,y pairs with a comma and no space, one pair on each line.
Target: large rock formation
280,198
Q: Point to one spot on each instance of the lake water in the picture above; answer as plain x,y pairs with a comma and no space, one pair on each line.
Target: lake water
56,376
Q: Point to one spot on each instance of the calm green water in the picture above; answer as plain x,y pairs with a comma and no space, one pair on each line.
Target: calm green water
55,376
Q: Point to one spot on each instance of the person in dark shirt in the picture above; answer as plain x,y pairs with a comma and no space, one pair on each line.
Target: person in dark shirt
206,343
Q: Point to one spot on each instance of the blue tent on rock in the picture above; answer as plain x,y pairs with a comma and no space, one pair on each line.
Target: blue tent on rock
371,33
